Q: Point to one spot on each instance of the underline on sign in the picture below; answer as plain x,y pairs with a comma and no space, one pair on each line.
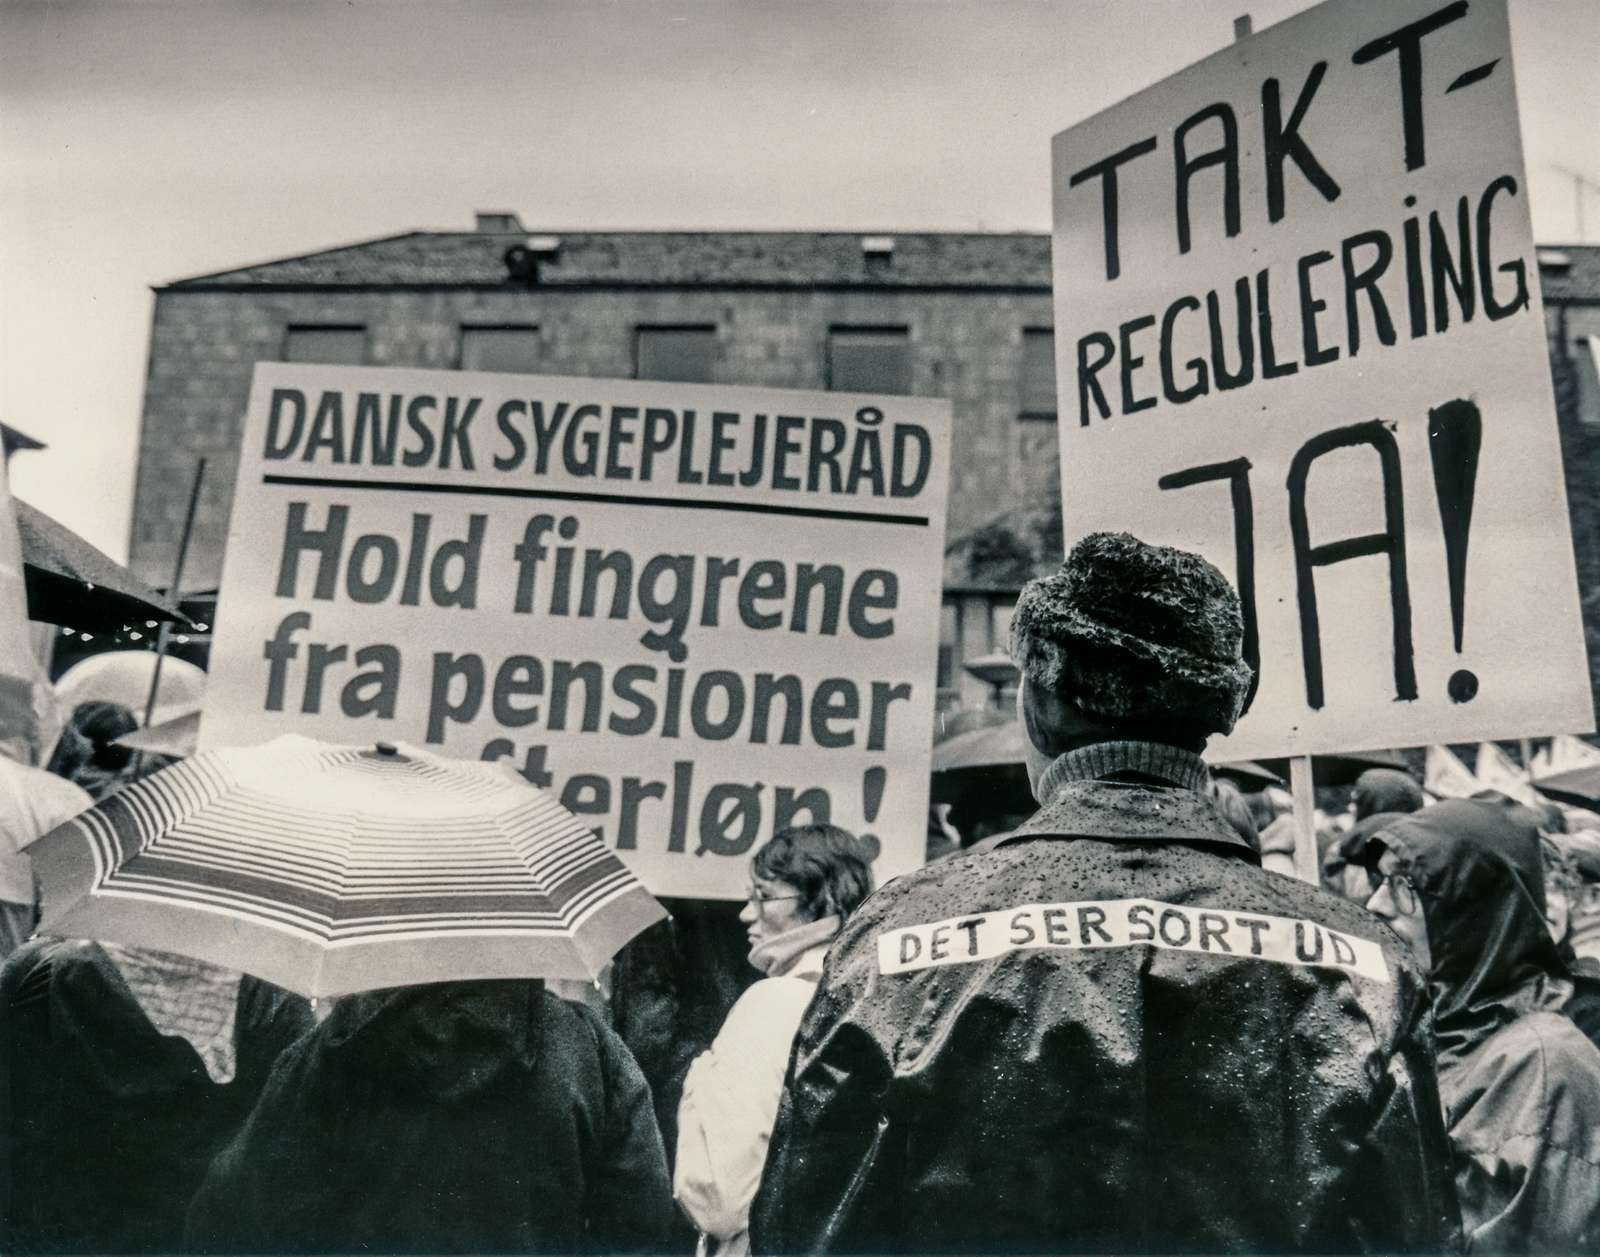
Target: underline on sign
568,495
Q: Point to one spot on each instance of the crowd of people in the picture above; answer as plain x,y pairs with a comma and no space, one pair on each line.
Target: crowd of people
1120,1025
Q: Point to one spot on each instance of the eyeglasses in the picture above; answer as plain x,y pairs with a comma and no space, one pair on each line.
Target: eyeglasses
759,899
1401,890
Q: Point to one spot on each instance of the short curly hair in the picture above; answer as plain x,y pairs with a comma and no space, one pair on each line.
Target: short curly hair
829,866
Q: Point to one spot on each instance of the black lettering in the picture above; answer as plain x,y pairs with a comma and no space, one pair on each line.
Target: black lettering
1492,305
1226,380
1022,932
1132,361
325,543
1310,307
1458,276
1213,926
1087,372
1139,917
1237,473
1255,925
1056,931
1169,385
1407,42
1366,280
1091,920
1106,170
1390,542
279,446
1173,914
1226,156
1282,140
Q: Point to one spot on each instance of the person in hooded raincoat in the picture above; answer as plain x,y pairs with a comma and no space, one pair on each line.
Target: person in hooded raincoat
1462,881
480,1117
1110,1030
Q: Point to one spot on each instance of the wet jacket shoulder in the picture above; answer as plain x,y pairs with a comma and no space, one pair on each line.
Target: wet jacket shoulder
106,1125
1525,1119
1041,1090
476,1117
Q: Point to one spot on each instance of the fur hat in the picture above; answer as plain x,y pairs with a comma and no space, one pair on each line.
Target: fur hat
1135,633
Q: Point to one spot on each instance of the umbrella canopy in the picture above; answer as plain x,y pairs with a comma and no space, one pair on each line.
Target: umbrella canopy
329,870
1248,775
1341,769
124,676
177,737
1577,786
73,584
986,760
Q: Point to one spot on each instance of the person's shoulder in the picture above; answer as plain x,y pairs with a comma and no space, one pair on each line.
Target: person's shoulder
1530,1076
764,1002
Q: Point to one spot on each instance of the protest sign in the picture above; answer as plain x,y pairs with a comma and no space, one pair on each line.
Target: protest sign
1298,330
696,613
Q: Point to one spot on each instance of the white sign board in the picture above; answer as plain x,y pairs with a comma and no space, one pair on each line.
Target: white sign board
1298,330
697,613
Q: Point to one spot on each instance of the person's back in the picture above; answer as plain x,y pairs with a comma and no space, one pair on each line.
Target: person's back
458,1117
121,1074
1080,1095
1111,1031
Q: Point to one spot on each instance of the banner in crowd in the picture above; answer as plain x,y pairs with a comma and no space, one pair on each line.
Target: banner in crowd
1298,329
696,613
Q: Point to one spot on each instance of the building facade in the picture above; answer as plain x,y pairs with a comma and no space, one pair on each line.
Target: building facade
962,316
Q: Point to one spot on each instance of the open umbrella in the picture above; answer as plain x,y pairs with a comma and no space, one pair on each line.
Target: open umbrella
71,583
988,760
328,870
1578,786
124,677
177,737
1341,769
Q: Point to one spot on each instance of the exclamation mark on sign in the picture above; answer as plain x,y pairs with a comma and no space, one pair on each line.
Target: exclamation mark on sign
872,783
1455,435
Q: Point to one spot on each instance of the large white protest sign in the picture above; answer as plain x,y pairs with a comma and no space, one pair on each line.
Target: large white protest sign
1298,330
696,613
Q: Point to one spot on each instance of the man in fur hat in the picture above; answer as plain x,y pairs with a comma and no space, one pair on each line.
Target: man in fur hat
1109,1030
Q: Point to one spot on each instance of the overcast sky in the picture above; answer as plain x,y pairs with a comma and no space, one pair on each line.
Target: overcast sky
142,142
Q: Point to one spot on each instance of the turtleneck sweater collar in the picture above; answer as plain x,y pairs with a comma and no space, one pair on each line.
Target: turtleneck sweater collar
781,953
1155,761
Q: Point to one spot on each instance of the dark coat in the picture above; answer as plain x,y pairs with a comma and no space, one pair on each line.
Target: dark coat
1113,1097
1520,1079
107,1126
456,1117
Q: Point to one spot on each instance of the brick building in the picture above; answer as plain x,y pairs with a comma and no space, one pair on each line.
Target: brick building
962,316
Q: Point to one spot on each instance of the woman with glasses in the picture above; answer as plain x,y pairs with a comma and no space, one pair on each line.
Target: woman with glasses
803,884
1462,884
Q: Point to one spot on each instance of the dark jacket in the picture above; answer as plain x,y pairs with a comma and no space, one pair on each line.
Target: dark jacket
1111,1093
1520,1080
107,1126
455,1117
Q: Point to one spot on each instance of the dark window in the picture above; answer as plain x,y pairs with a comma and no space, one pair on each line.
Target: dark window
1038,374
683,354
346,344
509,347
869,360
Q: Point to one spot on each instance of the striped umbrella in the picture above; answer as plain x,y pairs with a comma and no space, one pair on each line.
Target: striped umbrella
328,870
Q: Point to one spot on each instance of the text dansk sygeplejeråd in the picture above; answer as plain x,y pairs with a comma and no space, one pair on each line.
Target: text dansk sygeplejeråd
1101,923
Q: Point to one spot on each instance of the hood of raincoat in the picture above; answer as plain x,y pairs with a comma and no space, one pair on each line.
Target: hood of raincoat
1480,880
